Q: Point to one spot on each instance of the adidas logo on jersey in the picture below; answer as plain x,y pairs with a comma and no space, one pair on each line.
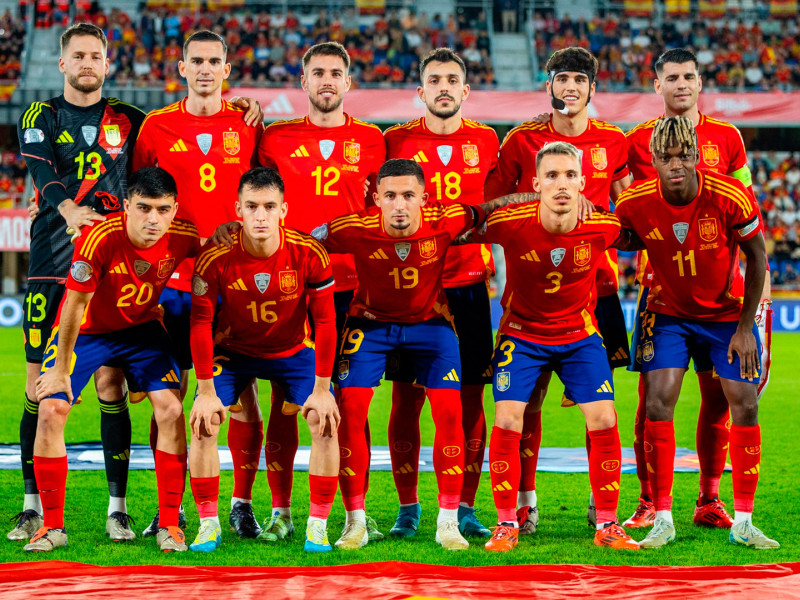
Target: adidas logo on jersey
178,146
379,254
654,235
120,269
531,256
451,376
621,355
238,285
300,152
65,138
420,157
606,387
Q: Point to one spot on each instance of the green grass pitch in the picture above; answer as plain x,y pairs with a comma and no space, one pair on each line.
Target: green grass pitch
563,535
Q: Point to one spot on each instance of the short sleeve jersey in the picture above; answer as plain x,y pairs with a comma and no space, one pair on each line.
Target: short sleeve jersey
550,295
262,301
324,171
207,156
605,160
693,249
126,281
455,166
76,152
721,150
399,279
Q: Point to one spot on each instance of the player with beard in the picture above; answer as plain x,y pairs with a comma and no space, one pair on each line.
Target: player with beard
456,155
325,159
76,147
722,151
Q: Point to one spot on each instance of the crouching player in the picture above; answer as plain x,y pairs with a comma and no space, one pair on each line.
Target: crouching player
701,219
267,281
548,324
122,265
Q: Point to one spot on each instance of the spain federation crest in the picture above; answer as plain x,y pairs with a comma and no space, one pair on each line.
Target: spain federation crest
262,281
427,248
710,154
680,230
599,159
344,369
647,351
470,154
502,381
557,255
230,142
583,254
287,281
403,249
165,267
113,135
708,229
35,338
352,152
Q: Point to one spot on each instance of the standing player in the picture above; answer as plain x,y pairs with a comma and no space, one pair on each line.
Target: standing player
206,144
548,325
721,151
326,161
456,155
268,282
693,223
76,147
399,306
571,85
110,316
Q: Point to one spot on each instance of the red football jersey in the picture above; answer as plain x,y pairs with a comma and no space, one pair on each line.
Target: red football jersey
455,167
263,306
605,160
324,171
127,281
721,150
550,293
693,249
399,279
207,156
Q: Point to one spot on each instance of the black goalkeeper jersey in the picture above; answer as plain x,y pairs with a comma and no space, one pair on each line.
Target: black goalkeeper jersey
76,152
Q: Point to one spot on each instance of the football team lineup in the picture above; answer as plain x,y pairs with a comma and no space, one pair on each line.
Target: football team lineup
343,256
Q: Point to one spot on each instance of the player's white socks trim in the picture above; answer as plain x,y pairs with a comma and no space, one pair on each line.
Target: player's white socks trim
282,510
357,516
664,514
315,519
446,515
244,500
214,519
526,498
742,517
116,505
33,502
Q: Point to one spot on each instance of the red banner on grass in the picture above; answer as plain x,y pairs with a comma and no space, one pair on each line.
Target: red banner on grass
398,581
394,106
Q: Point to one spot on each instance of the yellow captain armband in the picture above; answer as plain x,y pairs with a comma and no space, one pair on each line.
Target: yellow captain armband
743,175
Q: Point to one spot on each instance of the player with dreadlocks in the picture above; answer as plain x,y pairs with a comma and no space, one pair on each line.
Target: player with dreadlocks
693,224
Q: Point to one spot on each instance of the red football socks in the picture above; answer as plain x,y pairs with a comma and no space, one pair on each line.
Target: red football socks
448,445
712,435
638,444
171,478
659,449
473,420
746,464
504,470
531,440
279,450
206,495
404,438
51,477
323,491
244,442
353,448
605,465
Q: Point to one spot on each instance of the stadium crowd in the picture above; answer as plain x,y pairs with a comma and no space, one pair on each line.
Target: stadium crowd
12,39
